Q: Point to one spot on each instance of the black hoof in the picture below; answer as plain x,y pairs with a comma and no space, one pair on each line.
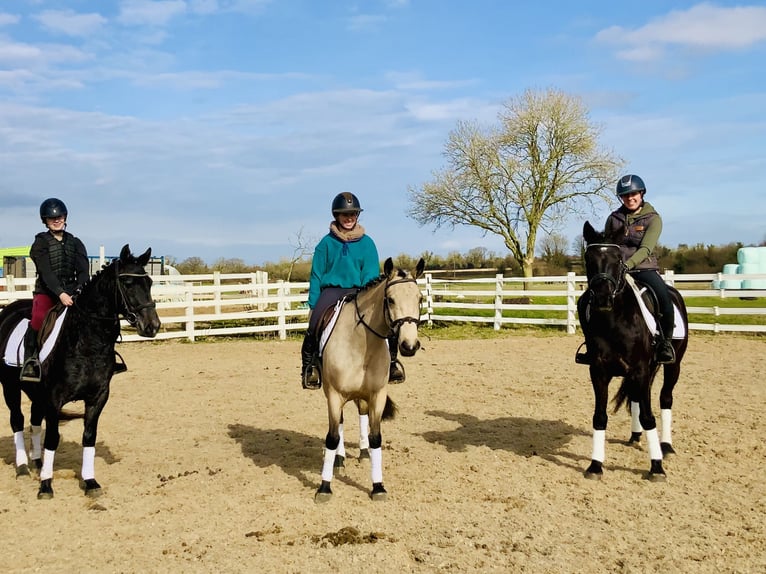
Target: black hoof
323,493
22,470
92,488
656,472
378,492
667,448
38,463
635,438
364,454
46,490
595,471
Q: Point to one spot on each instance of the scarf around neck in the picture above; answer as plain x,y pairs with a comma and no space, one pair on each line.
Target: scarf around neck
347,236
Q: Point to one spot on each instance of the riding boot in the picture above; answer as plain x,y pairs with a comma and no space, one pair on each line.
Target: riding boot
664,352
396,369
30,370
310,377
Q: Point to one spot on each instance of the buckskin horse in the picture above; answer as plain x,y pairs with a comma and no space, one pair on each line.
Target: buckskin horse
620,343
80,364
355,362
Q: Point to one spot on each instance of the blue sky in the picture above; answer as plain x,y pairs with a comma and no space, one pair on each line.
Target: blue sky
224,128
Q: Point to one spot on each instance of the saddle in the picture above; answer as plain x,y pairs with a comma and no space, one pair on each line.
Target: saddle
327,320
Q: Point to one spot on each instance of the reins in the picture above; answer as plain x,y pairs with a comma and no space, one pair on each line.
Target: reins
618,283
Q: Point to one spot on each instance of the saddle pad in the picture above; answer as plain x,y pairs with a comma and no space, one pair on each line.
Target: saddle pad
679,332
330,324
14,349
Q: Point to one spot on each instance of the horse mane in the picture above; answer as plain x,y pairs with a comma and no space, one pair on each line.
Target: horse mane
92,279
379,279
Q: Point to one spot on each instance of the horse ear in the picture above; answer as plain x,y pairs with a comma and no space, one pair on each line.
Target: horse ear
590,235
125,252
388,267
143,259
420,267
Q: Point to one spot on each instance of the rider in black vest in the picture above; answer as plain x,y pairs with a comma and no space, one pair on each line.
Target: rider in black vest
636,228
62,266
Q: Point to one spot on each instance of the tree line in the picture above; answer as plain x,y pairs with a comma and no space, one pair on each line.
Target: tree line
552,261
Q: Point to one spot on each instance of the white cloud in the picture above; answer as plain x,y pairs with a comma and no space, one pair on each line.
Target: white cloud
147,12
702,27
19,54
6,19
70,23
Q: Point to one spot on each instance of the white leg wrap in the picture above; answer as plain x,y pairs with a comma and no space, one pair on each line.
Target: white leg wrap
666,416
21,449
635,424
88,462
47,470
37,442
329,461
364,432
376,464
653,440
599,445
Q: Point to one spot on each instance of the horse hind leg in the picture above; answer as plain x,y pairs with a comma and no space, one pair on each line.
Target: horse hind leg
364,437
635,424
339,463
22,462
91,487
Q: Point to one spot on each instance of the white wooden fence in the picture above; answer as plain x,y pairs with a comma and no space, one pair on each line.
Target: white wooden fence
193,306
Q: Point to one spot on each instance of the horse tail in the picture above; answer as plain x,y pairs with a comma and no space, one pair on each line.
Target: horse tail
622,396
390,410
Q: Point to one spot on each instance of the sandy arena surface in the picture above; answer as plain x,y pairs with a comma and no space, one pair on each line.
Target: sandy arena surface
210,453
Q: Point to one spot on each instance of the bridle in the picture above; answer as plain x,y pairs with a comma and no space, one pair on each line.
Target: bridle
618,282
130,313
393,325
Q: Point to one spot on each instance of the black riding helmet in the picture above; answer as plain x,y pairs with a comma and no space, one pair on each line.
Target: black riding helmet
345,203
630,184
52,207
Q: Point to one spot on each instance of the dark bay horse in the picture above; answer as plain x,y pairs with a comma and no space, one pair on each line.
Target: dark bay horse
621,344
80,364
355,362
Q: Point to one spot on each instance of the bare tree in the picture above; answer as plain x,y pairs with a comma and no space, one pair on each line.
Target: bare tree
541,165
302,247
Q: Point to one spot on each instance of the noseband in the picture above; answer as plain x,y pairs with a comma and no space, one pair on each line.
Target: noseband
131,313
617,283
393,326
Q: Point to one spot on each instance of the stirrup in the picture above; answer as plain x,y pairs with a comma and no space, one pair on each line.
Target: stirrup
311,378
119,365
671,358
396,372
582,358
31,371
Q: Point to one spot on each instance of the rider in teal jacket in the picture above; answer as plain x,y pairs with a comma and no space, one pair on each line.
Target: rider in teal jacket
344,260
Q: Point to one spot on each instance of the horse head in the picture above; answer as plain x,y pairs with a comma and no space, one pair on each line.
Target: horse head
135,292
402,302
604,268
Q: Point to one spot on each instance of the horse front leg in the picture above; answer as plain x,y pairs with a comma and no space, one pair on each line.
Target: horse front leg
332,440
671,373
90,431
52,438
600,381
377,404
649,424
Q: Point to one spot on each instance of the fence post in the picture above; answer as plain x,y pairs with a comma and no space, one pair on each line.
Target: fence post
571,303
669,278
429,300
190,316
498,301
281,307
217,293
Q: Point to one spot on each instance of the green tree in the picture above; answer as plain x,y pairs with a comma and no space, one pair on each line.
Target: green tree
541,165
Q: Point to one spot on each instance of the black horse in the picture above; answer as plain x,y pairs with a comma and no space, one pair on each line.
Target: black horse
620,344
81,363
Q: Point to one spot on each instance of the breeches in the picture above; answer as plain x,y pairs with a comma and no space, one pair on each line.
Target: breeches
41,304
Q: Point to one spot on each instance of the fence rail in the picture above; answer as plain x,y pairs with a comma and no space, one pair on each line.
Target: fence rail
194,306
